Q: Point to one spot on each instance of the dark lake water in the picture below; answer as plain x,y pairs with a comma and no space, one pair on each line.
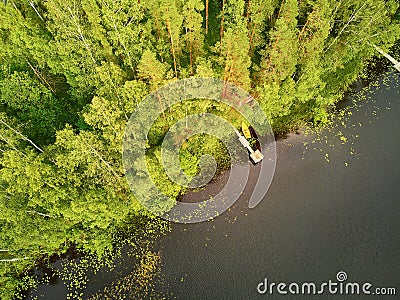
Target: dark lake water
333,205
317,219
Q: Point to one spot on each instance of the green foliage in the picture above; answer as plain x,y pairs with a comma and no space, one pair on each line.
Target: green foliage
34,105
192,22
72,72
151,69
258,13
280,58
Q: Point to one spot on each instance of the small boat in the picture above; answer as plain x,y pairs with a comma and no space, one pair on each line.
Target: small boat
253,134
246,130
255,156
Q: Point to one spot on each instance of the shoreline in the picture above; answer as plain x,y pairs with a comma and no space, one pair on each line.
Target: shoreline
73,252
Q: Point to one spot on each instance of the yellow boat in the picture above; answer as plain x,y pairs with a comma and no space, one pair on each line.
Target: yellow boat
246,131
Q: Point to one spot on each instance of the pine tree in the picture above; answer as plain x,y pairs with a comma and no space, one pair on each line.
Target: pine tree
171,16
234,46
258,12
312,38
151,69
193,27
280,58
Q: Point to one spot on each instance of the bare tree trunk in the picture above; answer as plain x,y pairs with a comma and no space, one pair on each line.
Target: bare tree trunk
389,57
41,78
161,104
9,144
13,259
33,6
221,30
24,137
80,33
248,10
207,16
38,213
172,46
352,17
94,151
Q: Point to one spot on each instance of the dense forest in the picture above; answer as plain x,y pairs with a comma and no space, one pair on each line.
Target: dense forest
72,72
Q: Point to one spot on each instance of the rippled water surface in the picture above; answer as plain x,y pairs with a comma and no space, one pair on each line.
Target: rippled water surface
333,205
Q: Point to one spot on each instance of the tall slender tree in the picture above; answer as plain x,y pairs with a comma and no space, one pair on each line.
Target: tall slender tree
171,16
234,46
193,29
280,58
